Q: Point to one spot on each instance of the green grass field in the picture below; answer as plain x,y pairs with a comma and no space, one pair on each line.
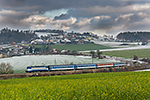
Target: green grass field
87,47
78,47
129,53
95,86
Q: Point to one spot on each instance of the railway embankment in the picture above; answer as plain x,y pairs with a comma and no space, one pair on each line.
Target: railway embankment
55,73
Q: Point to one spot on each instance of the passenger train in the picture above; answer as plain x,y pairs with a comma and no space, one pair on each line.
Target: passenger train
72,67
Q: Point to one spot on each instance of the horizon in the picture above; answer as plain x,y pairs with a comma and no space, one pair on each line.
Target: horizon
75,31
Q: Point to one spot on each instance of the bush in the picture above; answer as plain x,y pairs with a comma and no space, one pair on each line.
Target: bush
6,68
135,57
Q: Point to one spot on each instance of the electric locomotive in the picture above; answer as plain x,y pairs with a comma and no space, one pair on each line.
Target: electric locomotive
72,67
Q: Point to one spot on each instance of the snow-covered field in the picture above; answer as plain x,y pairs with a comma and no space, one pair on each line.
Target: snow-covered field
142,70
117,44
20,63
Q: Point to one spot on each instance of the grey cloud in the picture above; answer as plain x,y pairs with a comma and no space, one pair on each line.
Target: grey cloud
124,14
103,25
12,23
108,10
61,17
110,25
43,5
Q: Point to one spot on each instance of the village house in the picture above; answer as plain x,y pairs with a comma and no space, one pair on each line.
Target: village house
1,55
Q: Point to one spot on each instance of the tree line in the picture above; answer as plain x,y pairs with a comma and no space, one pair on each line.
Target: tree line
135,36
11,35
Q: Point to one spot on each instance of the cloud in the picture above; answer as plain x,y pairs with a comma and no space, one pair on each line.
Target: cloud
35,21
83,22
124,18
100,16
11,22
110,10
15,14
58,4
12,19
53,13
140,23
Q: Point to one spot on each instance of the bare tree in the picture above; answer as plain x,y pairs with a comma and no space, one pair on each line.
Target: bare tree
6,68
135,57
93,54
74,52
99,54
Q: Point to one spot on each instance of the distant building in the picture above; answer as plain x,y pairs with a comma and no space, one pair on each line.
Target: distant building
1,55
64,51
37,41
13,43
120,40
55,50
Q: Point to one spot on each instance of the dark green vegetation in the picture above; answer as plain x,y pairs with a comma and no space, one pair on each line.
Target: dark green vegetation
81,47
129,53
8,35
77,47
135,36
95,86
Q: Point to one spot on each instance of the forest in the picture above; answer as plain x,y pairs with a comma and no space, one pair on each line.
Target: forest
134,36
11,35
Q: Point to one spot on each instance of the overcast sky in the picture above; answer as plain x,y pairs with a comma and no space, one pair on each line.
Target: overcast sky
97,16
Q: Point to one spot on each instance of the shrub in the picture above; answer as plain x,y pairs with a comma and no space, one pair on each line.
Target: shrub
135,57
6,68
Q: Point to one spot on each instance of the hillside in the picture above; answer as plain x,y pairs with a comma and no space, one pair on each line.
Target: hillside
8,36
134,36
79,47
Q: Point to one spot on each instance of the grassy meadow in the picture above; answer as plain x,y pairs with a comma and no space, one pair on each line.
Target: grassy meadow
87,47
129,53
95,86
78,47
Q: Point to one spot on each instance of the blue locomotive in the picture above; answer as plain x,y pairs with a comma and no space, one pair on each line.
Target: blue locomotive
37,68
72,67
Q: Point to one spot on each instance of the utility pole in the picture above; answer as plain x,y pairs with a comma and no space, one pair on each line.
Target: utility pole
55,61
